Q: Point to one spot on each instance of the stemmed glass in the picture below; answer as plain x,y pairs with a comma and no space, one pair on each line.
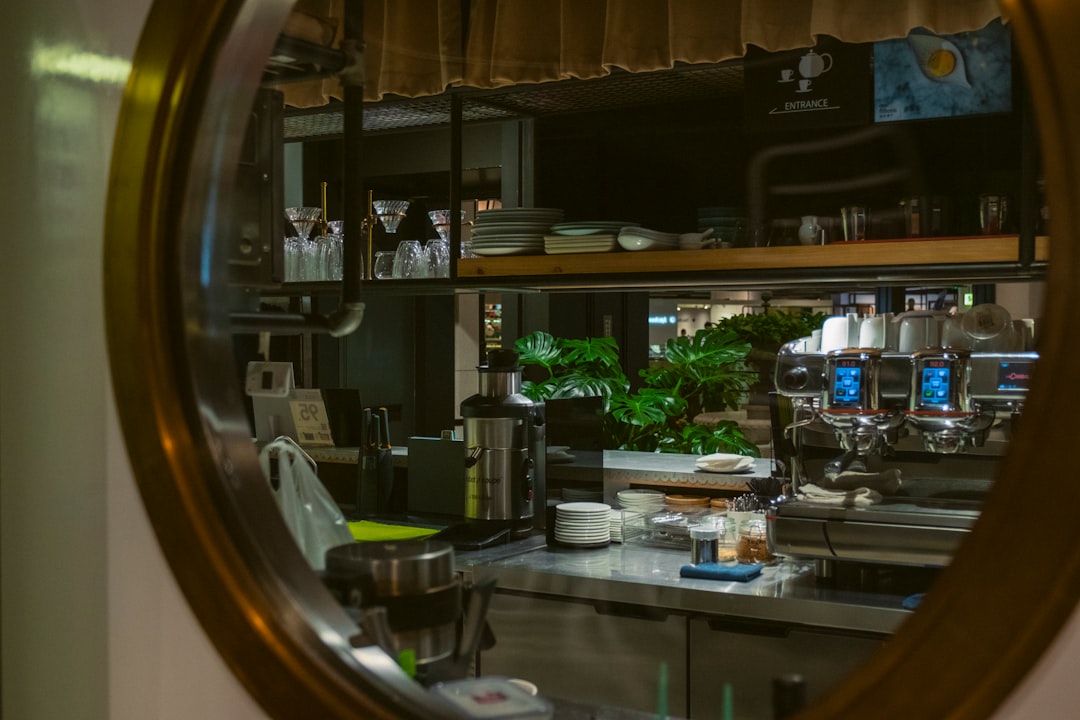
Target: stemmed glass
300,252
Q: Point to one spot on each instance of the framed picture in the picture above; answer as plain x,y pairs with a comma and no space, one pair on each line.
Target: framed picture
934,76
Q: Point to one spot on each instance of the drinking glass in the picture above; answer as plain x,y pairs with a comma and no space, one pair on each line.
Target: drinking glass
437,253
323,249
292,259
335,258
384,264
332,251
993,213
407,259
309,260
853,218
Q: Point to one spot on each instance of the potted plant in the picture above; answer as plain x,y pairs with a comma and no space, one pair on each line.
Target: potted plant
703,372
767,331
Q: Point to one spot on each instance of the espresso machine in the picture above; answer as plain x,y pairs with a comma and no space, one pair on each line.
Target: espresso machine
892,452
504,448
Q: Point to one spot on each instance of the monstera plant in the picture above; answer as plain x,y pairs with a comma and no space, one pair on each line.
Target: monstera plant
700,373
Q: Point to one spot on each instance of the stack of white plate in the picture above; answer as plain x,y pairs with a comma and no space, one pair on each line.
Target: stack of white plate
513,231
583,494
565,244
585,236
618,517
641,499
639,238
583,523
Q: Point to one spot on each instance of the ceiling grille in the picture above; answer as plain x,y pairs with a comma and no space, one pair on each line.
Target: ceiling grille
619,90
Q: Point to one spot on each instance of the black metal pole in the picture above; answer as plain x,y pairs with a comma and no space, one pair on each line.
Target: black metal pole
455,182
356,210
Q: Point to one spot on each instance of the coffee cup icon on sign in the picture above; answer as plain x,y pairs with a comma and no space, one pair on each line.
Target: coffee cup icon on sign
804,86
787,75
811,64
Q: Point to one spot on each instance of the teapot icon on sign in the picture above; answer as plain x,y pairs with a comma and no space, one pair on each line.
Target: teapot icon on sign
811,64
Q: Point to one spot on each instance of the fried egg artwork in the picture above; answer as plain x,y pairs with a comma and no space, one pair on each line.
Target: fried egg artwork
939,59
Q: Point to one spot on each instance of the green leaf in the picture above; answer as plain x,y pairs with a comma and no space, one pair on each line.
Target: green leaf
539,348
706,371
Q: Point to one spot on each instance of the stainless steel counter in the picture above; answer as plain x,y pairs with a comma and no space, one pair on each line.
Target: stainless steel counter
786,593
621,467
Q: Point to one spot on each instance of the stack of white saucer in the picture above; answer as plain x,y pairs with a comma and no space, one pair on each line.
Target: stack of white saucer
641,499
583,523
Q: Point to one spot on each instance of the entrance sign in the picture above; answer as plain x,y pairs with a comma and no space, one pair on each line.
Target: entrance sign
827,85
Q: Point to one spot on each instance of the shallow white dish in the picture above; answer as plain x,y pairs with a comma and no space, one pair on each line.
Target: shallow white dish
582,507
590,227
637,242
481,231
497,250
543,216
606,245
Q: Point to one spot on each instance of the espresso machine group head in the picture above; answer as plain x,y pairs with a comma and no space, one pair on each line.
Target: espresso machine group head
864,420
941,405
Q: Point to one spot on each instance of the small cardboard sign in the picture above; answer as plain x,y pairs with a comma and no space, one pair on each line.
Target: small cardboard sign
309,418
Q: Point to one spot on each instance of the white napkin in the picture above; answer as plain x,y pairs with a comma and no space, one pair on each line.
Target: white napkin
724,462
859,497
886,482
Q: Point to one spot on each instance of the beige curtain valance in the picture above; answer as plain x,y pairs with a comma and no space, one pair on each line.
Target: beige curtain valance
421,47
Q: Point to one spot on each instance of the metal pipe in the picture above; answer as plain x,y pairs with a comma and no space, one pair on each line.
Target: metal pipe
343,321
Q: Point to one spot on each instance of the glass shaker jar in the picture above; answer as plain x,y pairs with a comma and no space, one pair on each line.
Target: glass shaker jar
705,543
753,544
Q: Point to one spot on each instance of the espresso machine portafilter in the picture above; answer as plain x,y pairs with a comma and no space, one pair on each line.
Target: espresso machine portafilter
504,437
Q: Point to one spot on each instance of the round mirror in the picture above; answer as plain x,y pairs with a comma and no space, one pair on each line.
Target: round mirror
179,137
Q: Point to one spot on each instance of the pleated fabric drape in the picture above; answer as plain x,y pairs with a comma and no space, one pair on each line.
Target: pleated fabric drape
421,47
530,41
412,48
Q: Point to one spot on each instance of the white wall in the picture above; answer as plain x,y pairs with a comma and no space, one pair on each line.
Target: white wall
93,623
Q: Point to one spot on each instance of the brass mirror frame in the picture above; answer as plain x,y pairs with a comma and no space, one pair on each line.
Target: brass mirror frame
992,615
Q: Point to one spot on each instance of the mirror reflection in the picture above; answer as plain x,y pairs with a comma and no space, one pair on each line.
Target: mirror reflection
788,314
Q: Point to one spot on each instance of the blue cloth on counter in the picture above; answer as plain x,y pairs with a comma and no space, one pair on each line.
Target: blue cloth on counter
912,601
716,571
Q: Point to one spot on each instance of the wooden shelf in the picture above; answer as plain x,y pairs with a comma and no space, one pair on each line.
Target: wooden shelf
987,256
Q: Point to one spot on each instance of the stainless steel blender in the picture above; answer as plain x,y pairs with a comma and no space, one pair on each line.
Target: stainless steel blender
503,440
